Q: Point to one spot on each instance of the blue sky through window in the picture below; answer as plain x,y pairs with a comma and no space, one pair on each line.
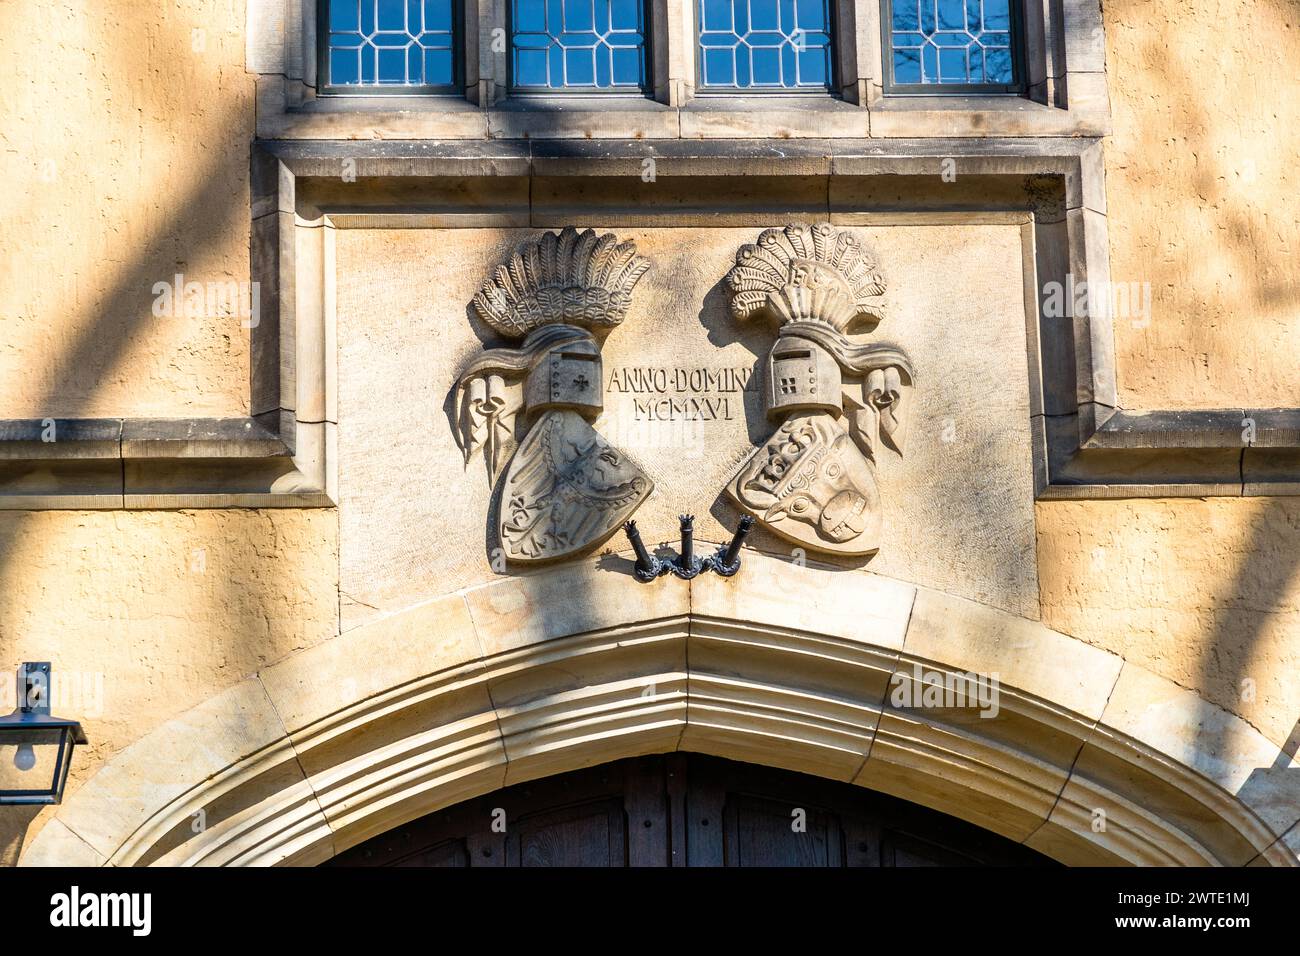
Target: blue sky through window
952,41
577,44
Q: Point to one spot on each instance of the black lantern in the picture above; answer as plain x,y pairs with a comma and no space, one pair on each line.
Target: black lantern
35,748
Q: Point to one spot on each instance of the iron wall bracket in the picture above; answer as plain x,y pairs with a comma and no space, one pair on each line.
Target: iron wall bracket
725,561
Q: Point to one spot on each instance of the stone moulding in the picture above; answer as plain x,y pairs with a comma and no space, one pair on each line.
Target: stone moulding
1085,445
161,463
509,681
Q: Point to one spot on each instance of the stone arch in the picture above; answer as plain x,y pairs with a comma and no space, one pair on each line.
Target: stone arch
783,665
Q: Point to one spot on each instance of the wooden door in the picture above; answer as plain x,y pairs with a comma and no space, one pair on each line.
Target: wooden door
687,810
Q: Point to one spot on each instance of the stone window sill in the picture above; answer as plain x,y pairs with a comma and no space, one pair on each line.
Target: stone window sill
719,115
910,102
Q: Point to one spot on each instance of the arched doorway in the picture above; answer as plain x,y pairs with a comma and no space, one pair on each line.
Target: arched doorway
1089,759
687,809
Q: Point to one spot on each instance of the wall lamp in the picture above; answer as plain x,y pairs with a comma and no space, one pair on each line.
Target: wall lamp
35,748
725,561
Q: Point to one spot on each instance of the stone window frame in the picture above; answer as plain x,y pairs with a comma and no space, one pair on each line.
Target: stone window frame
1065,74
1064,61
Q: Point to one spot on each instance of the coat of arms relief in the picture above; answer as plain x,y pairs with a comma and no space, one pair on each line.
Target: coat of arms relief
566,489
840,401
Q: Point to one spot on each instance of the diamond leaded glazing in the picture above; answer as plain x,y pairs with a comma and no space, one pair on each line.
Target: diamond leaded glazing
577,44
391,43
765,44
963,42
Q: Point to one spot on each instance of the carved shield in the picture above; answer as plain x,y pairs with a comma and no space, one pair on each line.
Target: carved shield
566,490
810,484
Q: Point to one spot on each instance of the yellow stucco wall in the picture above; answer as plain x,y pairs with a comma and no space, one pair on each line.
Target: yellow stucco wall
125,153
1203,591
124,140
1203,197
1203,202
148,614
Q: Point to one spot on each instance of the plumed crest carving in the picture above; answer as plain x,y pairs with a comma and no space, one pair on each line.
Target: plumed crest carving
808,274
569,277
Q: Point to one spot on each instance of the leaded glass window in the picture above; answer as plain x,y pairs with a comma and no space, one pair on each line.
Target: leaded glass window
765,44
953,45
372,46
577,44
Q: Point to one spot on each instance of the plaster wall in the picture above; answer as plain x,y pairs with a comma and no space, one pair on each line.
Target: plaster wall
1203,198
124,140
148,614
124,136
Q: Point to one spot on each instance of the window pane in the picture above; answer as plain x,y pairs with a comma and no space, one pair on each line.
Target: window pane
952,41
907,66
391,43
765,44
577,44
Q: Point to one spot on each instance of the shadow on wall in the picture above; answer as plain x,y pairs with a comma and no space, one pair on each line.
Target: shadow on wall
1204,199
1250,603
137,159
1254,244
1204,204
247,589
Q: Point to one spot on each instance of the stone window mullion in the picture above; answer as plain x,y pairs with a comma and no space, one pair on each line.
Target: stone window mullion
490,37
672,53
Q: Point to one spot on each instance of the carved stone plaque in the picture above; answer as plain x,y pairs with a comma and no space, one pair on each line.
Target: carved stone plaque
686,397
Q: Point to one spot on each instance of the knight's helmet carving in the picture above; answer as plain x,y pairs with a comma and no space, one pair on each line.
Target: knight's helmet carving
838,398
566,489
801,376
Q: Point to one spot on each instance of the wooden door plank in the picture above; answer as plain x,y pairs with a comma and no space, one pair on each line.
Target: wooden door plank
645,801
705,799
676,782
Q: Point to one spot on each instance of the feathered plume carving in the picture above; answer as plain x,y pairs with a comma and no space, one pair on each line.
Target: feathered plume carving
808,274
569,278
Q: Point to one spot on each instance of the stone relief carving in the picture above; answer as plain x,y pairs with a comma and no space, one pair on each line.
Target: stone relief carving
566,489
839,400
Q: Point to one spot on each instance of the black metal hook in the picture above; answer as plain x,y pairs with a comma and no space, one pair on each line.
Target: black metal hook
725,561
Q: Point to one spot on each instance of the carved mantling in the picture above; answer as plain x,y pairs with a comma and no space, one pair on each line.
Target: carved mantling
566,488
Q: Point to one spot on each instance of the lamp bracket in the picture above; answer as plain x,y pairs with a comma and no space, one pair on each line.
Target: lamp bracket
34,687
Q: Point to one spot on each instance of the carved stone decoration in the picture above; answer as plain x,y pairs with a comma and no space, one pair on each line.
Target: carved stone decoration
566,489
839,400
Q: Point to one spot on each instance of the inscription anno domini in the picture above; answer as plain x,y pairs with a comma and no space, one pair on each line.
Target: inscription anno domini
680,393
